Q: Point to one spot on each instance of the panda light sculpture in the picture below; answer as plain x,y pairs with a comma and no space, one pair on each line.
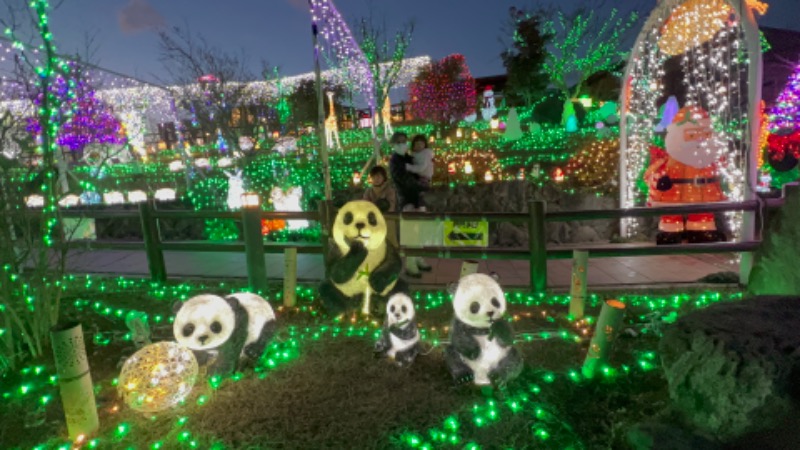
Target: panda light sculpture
481,342
399,341
226,329
361,261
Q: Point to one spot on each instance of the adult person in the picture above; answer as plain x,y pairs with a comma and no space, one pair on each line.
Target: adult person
408,189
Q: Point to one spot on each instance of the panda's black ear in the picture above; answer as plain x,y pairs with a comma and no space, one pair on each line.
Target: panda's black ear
234,302
177,307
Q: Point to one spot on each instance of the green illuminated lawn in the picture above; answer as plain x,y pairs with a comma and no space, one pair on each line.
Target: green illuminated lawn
318,385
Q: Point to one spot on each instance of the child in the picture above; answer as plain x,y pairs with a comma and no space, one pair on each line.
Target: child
423,162
381,193
384,196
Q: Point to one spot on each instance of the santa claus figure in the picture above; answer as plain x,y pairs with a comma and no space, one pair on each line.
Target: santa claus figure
686,173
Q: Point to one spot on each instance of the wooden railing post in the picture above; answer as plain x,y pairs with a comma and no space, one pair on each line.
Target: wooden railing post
326,218
254,244
289,276
152,242
536,242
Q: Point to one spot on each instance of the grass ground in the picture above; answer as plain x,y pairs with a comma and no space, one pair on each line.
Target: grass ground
319,386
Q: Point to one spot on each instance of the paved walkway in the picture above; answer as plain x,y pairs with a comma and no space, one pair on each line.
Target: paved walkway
603,272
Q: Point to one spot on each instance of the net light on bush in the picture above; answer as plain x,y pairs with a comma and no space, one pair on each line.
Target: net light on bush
157,377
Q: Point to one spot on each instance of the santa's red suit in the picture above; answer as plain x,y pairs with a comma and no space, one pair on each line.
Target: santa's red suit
686,173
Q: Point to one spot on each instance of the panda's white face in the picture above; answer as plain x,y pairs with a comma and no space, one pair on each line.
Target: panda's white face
359,220
479,300
204,322
399,309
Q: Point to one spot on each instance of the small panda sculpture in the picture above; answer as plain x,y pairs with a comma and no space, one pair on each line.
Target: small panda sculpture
360,258
399,341
481,341
230,328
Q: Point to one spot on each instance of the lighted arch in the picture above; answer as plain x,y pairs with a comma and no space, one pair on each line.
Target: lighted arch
644,86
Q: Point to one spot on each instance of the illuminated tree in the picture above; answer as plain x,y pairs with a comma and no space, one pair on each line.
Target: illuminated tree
524,60
583,46
444,91
31,299
385,59
786,112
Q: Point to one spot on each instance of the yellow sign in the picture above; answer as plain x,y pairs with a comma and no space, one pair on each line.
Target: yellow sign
457,234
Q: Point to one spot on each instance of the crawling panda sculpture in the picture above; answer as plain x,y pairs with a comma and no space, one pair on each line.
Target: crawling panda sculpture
399,341
225,329
481,342
359,259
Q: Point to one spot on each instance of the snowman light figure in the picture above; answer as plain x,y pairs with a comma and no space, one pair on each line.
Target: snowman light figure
235,189
488,110
687,173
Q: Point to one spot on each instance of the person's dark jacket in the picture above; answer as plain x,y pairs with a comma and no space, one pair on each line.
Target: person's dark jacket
407,183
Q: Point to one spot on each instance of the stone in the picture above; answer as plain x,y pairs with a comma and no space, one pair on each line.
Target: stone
584,233
732,368
510,235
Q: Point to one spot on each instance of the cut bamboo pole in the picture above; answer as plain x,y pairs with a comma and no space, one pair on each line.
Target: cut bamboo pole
75,381
600,346
577,291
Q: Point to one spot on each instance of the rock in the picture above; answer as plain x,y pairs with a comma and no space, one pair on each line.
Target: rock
509,235
661,436
583,233
732,367
775,263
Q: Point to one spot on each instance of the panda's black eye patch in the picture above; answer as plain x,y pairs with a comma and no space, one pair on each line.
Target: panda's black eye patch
216,327
188,329
474,307
348,218
391,308
404,309
495,302
372,219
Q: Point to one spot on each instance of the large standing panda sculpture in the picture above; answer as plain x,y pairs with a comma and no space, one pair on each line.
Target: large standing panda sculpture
399,341
481,341
224,329
361,259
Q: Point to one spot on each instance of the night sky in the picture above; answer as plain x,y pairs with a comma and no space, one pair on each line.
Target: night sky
278,31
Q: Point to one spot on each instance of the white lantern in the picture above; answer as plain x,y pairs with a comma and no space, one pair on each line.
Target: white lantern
202,163
69,201
176,166
224,162
113,198
157,377
137,196
165,194
34,201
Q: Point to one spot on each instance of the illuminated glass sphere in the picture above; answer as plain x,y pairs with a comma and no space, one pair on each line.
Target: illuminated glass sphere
157,377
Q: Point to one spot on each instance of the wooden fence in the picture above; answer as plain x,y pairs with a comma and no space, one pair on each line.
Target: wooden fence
536,253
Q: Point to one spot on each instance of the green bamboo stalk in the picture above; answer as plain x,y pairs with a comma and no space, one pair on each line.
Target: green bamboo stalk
600,346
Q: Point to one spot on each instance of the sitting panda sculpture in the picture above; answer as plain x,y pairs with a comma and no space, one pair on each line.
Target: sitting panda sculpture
481,342
360,258
399,341
225,329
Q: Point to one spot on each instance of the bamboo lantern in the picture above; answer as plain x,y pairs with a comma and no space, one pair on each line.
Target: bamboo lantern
75,381
600,346
577,292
